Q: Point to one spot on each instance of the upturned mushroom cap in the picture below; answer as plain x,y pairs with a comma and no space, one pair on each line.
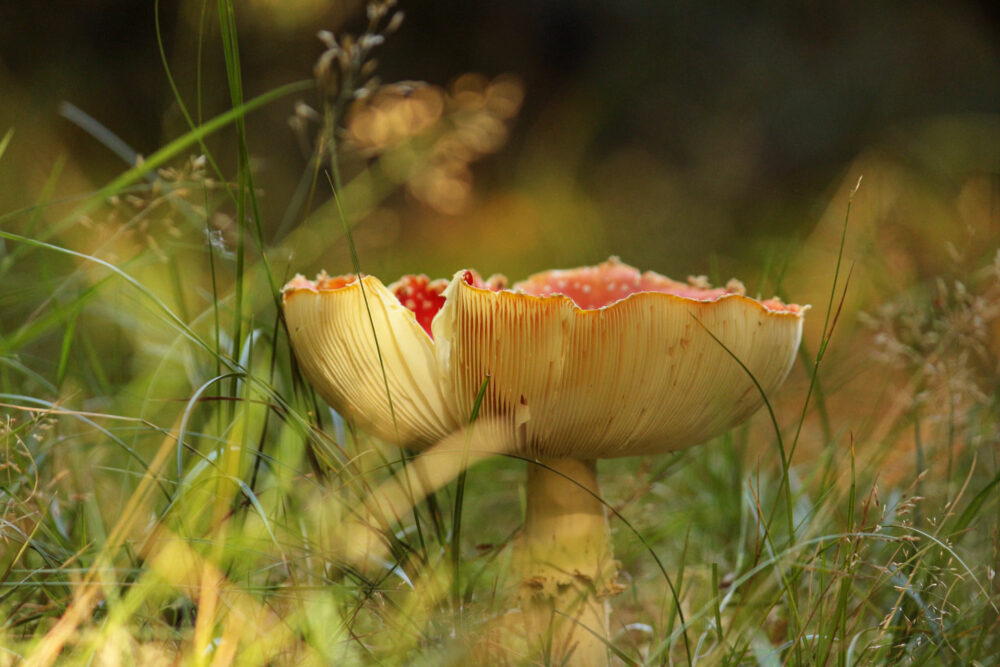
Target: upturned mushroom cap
597,362
335,343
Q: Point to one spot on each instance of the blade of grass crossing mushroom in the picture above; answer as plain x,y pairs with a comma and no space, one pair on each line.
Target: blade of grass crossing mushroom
634,531
774,423
335,186
785,481
456,523
304,392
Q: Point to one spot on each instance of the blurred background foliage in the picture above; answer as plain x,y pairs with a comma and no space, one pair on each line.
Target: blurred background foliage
665,132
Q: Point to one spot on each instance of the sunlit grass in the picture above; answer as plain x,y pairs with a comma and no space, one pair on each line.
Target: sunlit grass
171,489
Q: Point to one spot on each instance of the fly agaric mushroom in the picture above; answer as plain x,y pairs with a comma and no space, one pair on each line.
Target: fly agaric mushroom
587,363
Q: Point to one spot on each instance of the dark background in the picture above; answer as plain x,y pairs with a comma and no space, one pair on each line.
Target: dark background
686,128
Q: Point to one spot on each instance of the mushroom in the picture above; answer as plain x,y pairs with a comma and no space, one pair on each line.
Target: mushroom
584,364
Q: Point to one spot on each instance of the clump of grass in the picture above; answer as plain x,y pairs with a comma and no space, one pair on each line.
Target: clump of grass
941,338
171,490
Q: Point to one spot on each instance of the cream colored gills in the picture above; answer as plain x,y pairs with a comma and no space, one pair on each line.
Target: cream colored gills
640,376
334,342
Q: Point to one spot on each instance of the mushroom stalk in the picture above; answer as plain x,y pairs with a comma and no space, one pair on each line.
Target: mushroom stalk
567,566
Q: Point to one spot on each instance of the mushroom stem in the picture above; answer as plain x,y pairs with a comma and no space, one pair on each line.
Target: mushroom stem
566,563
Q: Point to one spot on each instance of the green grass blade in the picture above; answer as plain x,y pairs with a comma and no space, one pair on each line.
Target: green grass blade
456,522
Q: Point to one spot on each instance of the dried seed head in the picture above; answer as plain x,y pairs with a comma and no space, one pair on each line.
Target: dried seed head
368,69
328,38
306,112
323,70
394,23
368,42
